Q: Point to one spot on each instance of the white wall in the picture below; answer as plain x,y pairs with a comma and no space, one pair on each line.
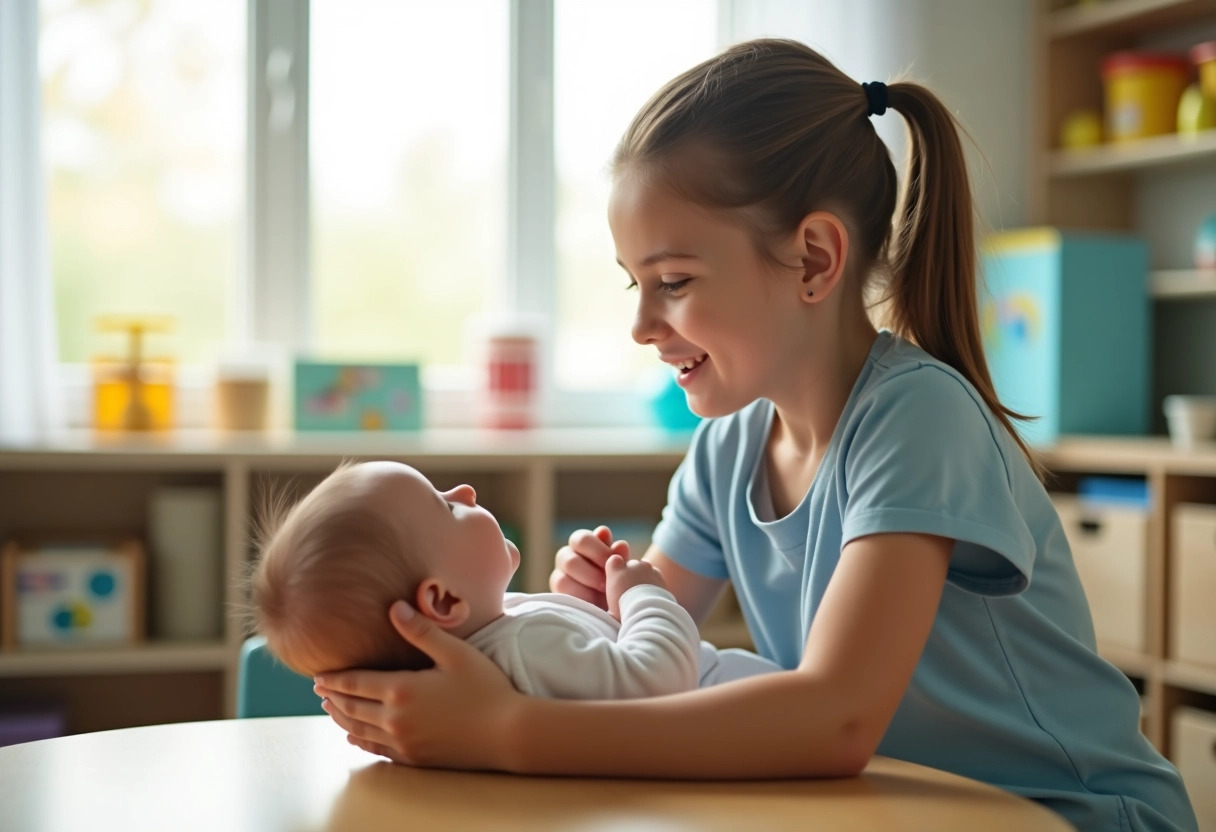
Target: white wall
973,53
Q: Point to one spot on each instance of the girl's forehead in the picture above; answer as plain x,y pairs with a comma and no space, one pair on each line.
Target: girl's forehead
646,218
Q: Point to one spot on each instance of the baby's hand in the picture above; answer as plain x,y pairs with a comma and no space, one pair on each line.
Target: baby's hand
623,575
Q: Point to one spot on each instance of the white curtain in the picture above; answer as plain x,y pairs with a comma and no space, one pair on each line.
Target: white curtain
27,322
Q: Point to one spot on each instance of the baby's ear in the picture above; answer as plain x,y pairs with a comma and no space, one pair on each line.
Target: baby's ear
440,604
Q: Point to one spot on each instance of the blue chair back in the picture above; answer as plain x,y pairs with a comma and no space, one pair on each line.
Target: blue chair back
266,687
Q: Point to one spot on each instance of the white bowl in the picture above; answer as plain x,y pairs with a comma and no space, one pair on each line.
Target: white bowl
1192,419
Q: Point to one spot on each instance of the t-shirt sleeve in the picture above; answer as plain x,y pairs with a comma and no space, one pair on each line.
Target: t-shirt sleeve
688,531
923,457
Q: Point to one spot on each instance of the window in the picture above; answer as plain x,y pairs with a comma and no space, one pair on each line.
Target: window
143,126
606,67
164,200
408,133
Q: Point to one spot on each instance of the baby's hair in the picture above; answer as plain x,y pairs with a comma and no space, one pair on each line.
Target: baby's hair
772,126
326,572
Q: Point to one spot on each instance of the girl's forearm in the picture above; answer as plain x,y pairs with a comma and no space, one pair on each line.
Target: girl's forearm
778,725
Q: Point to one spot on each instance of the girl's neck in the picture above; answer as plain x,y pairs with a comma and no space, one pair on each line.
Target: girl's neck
805,418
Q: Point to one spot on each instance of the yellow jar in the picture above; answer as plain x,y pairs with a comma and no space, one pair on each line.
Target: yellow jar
1142,93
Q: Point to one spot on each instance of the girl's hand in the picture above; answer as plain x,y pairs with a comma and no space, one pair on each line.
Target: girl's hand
580,565
451,716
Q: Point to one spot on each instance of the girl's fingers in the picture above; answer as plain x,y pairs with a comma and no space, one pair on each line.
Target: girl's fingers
375,748
590,575
561,582
592,545
365,684
362,710
444,648
621,548
356,728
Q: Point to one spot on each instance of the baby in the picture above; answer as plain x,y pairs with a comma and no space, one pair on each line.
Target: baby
375,532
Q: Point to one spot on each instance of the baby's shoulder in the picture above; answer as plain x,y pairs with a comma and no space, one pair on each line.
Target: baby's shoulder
547,609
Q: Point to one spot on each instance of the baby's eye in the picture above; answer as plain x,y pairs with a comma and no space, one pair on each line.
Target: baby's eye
451,506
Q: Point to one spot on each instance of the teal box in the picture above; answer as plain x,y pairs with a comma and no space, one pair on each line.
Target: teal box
1066,323
357,396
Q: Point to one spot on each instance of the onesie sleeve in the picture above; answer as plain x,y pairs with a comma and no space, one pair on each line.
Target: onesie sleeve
657,652
688,531
923,456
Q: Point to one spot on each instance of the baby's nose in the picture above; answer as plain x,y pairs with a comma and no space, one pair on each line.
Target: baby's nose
464,493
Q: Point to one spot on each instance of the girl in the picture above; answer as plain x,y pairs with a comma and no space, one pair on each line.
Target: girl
864,491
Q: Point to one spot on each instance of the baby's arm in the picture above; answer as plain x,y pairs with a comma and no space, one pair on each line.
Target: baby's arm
656,652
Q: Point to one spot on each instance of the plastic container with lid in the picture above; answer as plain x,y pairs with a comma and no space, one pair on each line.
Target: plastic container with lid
1142,93
1204,56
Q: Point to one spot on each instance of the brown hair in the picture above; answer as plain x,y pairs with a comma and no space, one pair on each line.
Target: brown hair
327,572
788,134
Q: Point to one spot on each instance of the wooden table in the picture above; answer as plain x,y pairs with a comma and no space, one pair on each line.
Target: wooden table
299,773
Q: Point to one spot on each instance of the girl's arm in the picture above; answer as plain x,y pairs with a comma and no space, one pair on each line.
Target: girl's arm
823,719
696,593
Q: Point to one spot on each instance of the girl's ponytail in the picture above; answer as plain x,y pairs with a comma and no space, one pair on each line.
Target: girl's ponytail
931,298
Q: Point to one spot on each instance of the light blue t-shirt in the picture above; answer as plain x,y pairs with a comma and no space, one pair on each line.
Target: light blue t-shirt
1010,688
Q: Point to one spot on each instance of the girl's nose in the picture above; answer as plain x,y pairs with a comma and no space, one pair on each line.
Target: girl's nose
463,493
648,327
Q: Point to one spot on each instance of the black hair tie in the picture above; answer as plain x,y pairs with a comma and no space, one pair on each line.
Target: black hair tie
876,98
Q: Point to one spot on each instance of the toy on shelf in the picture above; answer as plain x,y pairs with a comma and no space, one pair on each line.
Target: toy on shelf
1205,243
357,396
1204,57
1196,112
66,593
134,392
1142,93
1082,129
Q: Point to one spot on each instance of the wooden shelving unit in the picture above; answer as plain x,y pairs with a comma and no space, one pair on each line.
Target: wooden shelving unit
1121,17
1181,284
147,658
82,481
1174,476
1127,187
1098,187
1134,157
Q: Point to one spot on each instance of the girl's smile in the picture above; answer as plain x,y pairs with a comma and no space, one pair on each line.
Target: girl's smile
688,369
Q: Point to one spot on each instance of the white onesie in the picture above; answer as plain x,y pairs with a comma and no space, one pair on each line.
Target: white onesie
560,647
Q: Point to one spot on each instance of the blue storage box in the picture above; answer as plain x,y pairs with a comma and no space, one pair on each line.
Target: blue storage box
1066,323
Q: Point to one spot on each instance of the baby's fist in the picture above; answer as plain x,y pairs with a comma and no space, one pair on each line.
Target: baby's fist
623,575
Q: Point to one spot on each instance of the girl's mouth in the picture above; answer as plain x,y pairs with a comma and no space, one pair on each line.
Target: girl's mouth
686,370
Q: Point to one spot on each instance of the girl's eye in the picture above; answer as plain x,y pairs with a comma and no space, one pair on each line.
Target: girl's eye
674,286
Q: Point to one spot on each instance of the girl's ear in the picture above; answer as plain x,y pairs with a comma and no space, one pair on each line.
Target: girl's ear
440,604
823,245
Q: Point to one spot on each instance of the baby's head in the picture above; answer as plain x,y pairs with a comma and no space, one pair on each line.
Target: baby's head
370,534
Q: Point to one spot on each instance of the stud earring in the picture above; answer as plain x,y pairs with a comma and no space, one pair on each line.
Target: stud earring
810,294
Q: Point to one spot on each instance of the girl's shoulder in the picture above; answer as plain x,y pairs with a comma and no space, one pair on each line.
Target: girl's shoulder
901,374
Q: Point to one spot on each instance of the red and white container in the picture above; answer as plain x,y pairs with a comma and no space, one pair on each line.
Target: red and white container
511,375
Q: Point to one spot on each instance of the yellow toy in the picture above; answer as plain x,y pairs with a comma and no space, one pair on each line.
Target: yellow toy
133,393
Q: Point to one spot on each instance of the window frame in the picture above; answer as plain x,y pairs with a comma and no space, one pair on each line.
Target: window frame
273,303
